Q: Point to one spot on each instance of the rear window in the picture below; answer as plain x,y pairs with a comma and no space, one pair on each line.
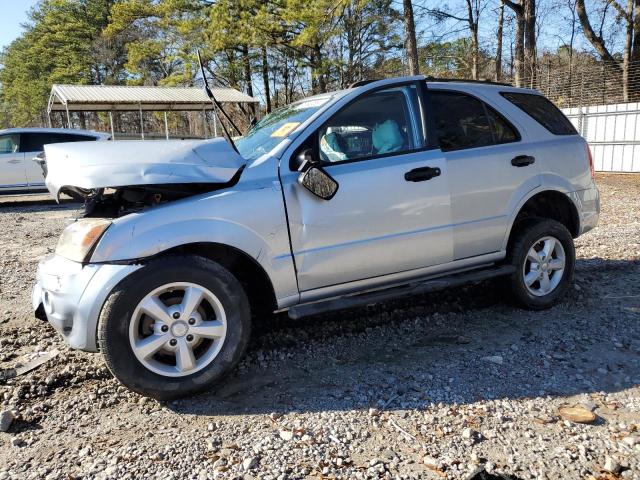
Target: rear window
34,142
542,111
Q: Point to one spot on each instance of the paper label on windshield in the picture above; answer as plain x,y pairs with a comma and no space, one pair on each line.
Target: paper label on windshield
285,130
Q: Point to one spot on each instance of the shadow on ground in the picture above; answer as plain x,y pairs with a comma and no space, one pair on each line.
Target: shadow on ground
410,352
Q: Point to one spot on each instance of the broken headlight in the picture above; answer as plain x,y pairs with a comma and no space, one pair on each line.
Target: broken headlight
79,238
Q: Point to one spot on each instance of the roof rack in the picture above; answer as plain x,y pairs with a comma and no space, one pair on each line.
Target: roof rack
467,80
362,82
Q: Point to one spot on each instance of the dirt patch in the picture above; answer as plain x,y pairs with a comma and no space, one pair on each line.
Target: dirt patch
411,388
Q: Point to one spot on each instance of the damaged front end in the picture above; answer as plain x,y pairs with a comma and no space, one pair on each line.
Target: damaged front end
117,178
117,202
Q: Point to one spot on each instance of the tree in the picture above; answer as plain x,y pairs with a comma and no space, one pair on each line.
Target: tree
499,34
57,47
630,15
411,44
471,19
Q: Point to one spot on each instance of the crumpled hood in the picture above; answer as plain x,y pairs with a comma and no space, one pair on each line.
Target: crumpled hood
91,165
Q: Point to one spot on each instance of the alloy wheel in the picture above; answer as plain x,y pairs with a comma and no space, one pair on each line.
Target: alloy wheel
177,329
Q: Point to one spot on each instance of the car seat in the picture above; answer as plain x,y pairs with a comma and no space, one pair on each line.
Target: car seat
333,147
387,137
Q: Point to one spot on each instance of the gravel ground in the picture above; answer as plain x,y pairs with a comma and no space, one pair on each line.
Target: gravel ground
436,386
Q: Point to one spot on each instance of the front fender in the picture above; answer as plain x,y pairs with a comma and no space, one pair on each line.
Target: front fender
222,218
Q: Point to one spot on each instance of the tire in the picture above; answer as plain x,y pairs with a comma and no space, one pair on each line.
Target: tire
219,333
543,293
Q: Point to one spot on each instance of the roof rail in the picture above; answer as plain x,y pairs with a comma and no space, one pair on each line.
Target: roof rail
466,80
360,83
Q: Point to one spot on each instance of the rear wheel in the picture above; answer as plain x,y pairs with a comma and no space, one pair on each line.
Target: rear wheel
174,327
543,255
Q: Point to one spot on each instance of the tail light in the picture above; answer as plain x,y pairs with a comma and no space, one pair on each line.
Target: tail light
591,169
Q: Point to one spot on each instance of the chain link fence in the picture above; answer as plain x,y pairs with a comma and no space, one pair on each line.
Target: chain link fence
603,103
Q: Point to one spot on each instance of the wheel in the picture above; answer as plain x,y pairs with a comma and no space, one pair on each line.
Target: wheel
174,327
543,255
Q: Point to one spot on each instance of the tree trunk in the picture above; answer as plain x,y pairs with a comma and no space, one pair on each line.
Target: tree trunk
411,44
265,79
519,50
626,56
634,63
498,74
474,52
318,81
530,59
246,63
518,61
594,39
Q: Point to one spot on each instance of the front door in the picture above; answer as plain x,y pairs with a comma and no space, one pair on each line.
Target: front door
391,212
12,170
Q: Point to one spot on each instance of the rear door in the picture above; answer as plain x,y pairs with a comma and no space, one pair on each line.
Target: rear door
385,217
12,165
489,167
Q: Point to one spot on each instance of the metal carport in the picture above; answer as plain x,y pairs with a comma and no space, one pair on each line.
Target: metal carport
119,98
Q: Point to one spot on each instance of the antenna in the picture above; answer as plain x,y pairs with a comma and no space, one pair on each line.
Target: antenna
218,107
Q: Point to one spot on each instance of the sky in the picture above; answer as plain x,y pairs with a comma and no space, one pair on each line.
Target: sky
14,13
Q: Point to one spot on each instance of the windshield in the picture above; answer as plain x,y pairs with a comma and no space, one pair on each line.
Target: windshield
276,126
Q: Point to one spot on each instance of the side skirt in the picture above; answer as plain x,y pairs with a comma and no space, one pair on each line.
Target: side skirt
409,289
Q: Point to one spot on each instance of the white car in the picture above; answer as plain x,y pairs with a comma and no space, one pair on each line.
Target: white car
18,147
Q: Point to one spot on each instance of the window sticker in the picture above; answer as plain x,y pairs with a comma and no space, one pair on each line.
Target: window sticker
285,130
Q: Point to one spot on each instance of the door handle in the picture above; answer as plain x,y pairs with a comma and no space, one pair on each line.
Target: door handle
522,160
421,174
15,160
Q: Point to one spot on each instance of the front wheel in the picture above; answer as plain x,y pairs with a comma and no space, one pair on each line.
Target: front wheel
543,255
174,327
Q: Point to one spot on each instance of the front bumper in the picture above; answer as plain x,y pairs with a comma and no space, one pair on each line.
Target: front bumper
72,295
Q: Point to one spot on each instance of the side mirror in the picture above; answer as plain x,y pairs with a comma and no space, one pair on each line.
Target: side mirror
318,182
303,160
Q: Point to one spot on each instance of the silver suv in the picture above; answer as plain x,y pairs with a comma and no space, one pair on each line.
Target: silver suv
390,187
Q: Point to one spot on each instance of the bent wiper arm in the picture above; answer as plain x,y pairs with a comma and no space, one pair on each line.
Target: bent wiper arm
218,106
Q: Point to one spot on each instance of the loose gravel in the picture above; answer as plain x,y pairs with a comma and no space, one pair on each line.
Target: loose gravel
436,386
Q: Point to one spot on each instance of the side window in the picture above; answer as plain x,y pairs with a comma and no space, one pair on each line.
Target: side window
543,111
503,132
9,143
464,122
34,142
380,123
65,137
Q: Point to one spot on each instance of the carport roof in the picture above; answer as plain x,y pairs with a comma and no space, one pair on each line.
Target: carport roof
134,98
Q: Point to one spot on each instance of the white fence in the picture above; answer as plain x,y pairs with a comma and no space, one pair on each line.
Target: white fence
613,132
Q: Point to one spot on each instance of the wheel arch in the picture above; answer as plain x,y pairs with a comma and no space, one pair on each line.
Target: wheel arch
546,203
248,271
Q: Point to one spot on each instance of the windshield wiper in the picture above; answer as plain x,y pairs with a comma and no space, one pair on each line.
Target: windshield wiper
218,107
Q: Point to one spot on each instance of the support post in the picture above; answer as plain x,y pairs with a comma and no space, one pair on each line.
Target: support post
66,107
141,122
166,126
113,133
215,122
204,121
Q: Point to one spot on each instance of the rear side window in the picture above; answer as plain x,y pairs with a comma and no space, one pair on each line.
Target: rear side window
463,121
35,142
542,111
9,143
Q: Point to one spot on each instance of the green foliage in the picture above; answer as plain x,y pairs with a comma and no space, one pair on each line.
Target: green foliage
57,47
